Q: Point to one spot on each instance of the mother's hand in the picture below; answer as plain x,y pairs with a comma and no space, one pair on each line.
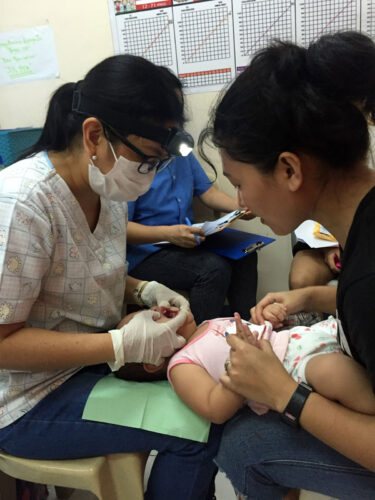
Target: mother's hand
293,301
256,373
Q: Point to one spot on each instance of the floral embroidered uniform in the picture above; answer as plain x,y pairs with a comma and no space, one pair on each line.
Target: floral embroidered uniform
55,273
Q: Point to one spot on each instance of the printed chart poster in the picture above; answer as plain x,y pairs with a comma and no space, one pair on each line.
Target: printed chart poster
205,46
192,38
206,43
27,55
368,18
145,29
318,17
257,23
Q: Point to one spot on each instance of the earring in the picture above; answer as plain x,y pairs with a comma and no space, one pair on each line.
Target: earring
94,157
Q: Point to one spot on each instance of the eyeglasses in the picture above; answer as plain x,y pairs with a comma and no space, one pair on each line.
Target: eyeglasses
148,163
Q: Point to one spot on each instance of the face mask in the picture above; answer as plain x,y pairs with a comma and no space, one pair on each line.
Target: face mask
123,182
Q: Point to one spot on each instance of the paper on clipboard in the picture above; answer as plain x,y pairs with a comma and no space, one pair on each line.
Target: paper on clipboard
211,227
305,233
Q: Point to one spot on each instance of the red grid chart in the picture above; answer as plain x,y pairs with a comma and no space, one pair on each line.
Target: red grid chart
149,38
263,21
203,78
326,16
205,35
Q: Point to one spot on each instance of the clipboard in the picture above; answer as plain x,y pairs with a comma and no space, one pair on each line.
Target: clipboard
235,244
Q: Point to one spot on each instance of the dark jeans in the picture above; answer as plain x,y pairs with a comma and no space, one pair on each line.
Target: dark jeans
54,429
208,277
264,458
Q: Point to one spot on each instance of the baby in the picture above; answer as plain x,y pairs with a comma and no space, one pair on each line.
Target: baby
309,354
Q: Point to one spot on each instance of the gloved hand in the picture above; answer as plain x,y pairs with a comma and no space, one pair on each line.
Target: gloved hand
156,294
142,339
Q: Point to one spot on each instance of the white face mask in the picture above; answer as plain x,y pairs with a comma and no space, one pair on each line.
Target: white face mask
123,182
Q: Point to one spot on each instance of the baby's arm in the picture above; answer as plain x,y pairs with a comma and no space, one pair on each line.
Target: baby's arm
199,391
341,378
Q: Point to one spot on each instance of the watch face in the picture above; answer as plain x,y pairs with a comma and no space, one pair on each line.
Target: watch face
289,419
296,403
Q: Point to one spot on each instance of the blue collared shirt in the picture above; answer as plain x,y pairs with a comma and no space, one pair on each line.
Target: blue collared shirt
168,201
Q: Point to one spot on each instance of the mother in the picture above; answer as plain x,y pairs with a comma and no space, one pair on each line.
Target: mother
294,140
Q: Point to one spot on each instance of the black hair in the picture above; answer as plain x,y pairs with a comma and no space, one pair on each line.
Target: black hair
172,78
343,66
124,85
137,373
290,99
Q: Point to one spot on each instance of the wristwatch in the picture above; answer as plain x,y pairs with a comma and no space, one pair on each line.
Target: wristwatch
296,403
137,293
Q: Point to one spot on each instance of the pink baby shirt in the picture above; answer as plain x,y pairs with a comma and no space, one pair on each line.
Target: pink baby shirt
210,349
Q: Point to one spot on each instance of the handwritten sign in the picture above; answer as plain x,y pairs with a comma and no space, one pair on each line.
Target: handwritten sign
27,55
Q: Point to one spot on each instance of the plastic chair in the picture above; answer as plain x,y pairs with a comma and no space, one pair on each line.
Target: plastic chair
111,477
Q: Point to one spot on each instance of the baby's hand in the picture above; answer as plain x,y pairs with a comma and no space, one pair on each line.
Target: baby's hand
276,314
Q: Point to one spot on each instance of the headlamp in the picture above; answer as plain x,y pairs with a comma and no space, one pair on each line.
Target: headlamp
175,141
180,143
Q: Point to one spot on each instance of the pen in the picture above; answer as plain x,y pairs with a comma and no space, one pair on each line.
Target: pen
187,220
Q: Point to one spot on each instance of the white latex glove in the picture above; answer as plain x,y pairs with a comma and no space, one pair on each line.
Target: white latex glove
142,339
156,294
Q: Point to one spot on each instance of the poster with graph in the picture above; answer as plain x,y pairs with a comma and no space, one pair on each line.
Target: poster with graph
318,17
205,46
257,22
207,42
368,18
147,33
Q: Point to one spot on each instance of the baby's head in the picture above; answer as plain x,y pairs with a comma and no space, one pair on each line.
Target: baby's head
146,372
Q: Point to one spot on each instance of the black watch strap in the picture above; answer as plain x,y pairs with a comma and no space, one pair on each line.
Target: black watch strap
296,403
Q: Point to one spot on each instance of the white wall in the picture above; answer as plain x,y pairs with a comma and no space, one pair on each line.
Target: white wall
83,37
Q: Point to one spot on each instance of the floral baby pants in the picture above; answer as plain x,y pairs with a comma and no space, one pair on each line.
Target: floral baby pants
307,342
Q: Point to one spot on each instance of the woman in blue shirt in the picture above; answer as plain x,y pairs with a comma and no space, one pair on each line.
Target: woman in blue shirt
160,215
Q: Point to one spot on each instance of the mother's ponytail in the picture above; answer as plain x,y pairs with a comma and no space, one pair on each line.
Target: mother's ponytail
289,98
342,65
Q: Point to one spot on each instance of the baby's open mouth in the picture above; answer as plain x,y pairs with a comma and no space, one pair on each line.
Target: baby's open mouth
168,313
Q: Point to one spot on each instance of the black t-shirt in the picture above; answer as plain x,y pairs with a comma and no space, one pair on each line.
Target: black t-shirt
356,287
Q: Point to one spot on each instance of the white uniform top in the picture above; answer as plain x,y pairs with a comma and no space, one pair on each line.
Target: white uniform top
54,272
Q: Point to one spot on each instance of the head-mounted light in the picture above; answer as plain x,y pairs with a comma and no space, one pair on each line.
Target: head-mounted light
175,141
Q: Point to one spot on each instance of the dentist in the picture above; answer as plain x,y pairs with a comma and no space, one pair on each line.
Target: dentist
63,272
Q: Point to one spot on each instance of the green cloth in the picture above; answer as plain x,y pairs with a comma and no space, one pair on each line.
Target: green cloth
152,406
